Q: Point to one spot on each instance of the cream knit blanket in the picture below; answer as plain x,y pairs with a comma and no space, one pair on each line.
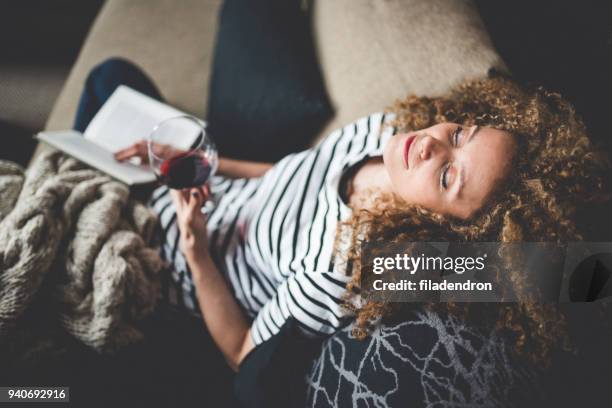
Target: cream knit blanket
76,233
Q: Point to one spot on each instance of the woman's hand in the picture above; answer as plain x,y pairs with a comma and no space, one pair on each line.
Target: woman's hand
191,221
140,149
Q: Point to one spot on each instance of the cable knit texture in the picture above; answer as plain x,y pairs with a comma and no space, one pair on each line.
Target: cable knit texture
76,234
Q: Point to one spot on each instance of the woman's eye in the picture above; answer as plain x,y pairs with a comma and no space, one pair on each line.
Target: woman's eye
457,135
444,177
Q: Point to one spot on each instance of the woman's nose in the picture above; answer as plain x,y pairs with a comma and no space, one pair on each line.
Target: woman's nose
427,147
432,147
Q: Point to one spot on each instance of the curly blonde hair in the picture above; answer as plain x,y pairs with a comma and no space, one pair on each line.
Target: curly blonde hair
556,173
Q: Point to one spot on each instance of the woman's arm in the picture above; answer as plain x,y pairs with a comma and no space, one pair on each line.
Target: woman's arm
227,167
225,321
241,168
222,315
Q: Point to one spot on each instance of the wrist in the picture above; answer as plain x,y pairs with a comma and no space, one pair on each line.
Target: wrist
198,258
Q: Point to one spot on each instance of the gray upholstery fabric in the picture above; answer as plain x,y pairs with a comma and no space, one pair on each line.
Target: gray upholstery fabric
28,92
373,52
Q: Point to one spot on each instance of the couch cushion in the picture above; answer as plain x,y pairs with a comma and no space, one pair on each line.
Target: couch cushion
372,52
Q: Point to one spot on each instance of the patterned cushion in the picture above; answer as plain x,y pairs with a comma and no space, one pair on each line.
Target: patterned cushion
428,360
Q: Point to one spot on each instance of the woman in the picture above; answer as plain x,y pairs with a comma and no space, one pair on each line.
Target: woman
488,162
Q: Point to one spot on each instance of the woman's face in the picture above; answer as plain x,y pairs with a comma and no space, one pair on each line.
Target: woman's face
447,168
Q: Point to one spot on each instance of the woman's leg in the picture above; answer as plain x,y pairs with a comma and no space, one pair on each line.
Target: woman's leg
102,82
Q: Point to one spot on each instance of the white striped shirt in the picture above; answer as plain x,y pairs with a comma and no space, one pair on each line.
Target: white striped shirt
273,236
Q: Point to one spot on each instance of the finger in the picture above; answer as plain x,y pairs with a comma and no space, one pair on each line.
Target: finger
185,193
195,201
126,153
142,148
169,150
139,149
205,192
177,198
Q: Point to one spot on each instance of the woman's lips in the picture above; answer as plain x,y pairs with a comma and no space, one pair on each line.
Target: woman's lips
407,145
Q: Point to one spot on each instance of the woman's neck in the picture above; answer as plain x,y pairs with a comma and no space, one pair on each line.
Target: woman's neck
371,176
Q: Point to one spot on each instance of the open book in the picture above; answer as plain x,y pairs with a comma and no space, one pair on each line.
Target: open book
126,117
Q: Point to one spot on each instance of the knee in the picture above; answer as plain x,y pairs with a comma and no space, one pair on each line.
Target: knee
111,73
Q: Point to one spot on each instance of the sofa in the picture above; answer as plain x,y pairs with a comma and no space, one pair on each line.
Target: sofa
371,52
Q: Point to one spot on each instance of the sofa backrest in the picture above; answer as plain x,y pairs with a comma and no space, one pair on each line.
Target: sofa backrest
373,52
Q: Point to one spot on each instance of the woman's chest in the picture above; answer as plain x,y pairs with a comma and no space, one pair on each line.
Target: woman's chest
292,229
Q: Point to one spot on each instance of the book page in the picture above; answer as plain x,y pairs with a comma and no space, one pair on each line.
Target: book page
128,116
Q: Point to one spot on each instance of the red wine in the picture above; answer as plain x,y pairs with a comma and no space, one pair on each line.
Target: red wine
185,170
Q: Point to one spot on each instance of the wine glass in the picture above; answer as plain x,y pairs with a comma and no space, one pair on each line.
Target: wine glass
181,153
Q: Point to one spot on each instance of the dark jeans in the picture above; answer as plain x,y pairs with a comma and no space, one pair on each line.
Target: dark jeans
102,82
